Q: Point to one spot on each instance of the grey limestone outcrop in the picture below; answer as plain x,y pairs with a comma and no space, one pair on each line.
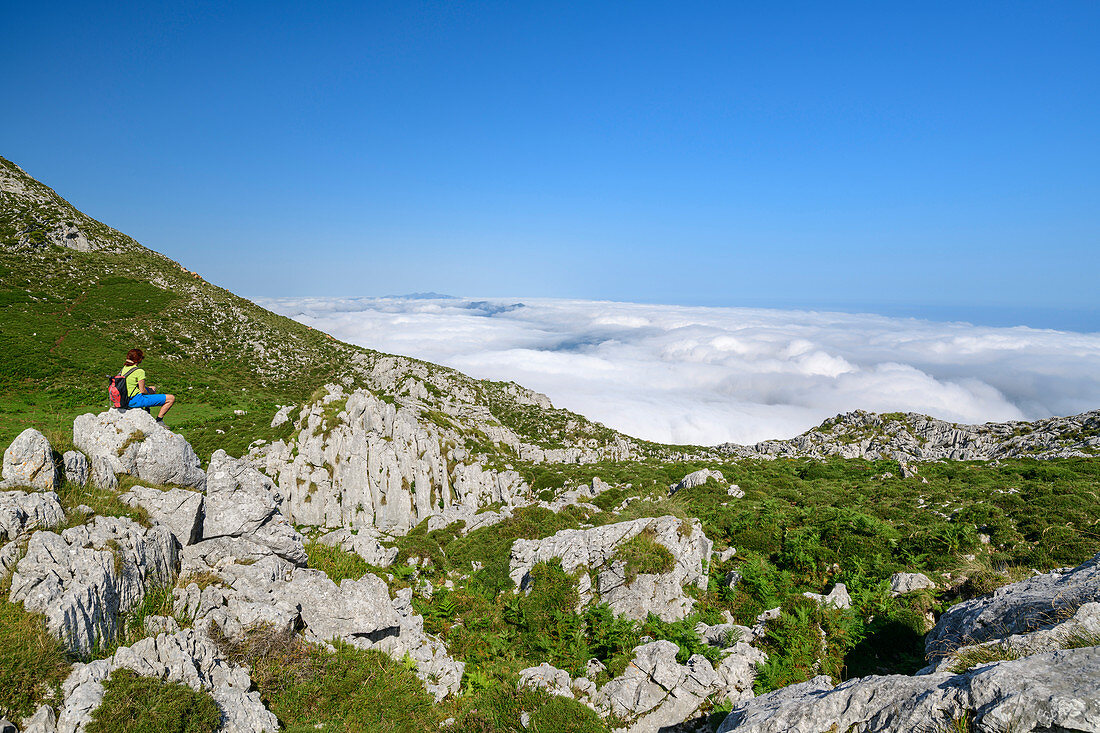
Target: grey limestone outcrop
595,549
902,583
1053,691
257,586
358,461
1030,605
182,656
83,578
242,502
22,512
132,442
180,510
912,437
28,462
838,597
77,467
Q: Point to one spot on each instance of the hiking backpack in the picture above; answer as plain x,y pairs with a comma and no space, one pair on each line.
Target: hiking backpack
116,389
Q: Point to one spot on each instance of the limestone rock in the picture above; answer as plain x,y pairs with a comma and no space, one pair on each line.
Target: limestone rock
242,502
22,512
44,720
698,478
178,509
85,577
596,549
546,677
837,597
28,462
185,657
656,691
1036,603
132,442
261,587
77,467
1046,692
366,543
902,583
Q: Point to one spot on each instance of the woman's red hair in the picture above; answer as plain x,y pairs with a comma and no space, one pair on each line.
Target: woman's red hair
134,356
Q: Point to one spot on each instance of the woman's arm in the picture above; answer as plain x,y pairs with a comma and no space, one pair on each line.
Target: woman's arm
141,387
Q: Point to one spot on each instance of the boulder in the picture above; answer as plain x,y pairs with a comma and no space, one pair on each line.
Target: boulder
22,512
1030,605
44,720
595,549
185,657
132,442
656,692
1054,691
242,502
838,597
83,578
77,467
698,478
28,462
902,583
178,509
546,677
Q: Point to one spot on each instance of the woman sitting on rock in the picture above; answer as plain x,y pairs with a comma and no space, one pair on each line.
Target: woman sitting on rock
140,395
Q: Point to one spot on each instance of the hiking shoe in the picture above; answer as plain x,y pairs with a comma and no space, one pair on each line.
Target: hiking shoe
160,419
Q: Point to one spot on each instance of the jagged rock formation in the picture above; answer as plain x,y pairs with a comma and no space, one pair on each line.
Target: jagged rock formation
179,510
656,692
77,467
596,550
85,577
29,462
20,514
1055,691
902,583
182,656
913,437
132,442
1036,603
255,586
360,461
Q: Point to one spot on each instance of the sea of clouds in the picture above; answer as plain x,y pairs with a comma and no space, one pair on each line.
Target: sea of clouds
703,375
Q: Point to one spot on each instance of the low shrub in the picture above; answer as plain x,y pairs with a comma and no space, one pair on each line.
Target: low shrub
136,704
336,563
643,554
33,663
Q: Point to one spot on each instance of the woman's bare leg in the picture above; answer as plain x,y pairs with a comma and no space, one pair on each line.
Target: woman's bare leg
169,400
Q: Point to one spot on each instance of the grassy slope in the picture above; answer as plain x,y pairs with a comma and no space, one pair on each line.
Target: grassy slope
69,317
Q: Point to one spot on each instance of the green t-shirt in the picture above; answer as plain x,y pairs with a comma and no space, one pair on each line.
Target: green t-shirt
132,381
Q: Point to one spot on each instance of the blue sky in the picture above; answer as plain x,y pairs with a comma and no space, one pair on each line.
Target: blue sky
940,160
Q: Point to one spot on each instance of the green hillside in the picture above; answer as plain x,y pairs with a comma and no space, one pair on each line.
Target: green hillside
69,316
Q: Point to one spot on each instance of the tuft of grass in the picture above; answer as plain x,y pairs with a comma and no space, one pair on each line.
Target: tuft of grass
135,437
644,554
136,704
103,502
1081,638
975,656
33,663
309,687
203,579
336,563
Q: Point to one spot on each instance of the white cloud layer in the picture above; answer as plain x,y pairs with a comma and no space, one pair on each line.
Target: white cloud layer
710,375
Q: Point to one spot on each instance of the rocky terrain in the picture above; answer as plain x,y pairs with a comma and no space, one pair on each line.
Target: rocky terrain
361,541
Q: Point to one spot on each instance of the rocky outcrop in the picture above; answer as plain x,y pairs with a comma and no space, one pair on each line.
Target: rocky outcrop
185,657
29,462
906,437
1030,605
132,442
22,512
838,597
698,478
77,467
1055,691
179,510
596,549
902,583
361,461
256,586
242,502
656,692
85,577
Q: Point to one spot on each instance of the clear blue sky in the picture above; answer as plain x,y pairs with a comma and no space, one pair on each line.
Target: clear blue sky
941,158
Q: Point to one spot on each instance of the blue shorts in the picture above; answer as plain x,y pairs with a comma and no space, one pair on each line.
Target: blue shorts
147,400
